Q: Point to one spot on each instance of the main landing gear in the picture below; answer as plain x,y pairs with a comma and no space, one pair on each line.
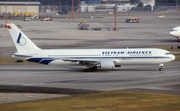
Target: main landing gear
90,69
161,67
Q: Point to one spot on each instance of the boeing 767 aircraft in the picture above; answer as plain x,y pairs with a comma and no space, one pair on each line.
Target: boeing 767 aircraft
92,59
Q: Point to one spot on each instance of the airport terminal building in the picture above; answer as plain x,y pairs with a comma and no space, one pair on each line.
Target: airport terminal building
11,7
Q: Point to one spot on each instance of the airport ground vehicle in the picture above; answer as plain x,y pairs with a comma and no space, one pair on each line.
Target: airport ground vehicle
132,20
161,17
46,19
26,19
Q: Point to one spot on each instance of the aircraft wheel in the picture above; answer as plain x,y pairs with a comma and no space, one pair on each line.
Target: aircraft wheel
88,70
85,70
160,69
91,69
94,68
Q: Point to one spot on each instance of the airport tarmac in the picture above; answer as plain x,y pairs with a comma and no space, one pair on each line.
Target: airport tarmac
124,78
63,33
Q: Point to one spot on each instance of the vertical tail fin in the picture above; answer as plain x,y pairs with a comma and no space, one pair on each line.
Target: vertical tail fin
21,41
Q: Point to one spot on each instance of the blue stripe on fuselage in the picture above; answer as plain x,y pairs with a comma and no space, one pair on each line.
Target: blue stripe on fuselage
46,61
37,60
41,60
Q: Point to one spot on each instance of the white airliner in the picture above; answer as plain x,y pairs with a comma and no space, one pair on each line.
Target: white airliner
91,58
175,32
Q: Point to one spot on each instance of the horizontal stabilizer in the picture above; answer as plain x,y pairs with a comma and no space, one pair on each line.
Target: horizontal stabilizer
21,55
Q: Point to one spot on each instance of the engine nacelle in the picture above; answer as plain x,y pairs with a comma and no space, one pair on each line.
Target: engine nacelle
107,64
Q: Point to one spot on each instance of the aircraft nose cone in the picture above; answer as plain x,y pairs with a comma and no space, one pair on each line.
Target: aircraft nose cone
173,57
171,33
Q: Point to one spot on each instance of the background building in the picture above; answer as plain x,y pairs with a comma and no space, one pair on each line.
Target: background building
148,2
93,1
106,6
106,1
19,7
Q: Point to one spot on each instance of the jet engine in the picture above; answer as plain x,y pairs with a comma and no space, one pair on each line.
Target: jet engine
107,64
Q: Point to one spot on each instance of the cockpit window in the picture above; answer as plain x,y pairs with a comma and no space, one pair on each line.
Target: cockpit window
173,30
168,53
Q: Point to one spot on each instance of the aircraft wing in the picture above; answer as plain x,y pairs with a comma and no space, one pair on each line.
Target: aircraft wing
83,61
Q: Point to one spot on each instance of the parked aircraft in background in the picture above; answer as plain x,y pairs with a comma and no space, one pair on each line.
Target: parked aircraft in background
175,32
91,58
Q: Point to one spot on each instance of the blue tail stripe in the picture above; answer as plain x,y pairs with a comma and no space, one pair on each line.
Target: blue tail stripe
19,37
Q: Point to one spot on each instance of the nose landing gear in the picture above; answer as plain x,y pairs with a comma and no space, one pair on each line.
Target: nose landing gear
161,67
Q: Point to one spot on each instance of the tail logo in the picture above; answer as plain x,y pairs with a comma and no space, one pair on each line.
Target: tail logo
21,40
